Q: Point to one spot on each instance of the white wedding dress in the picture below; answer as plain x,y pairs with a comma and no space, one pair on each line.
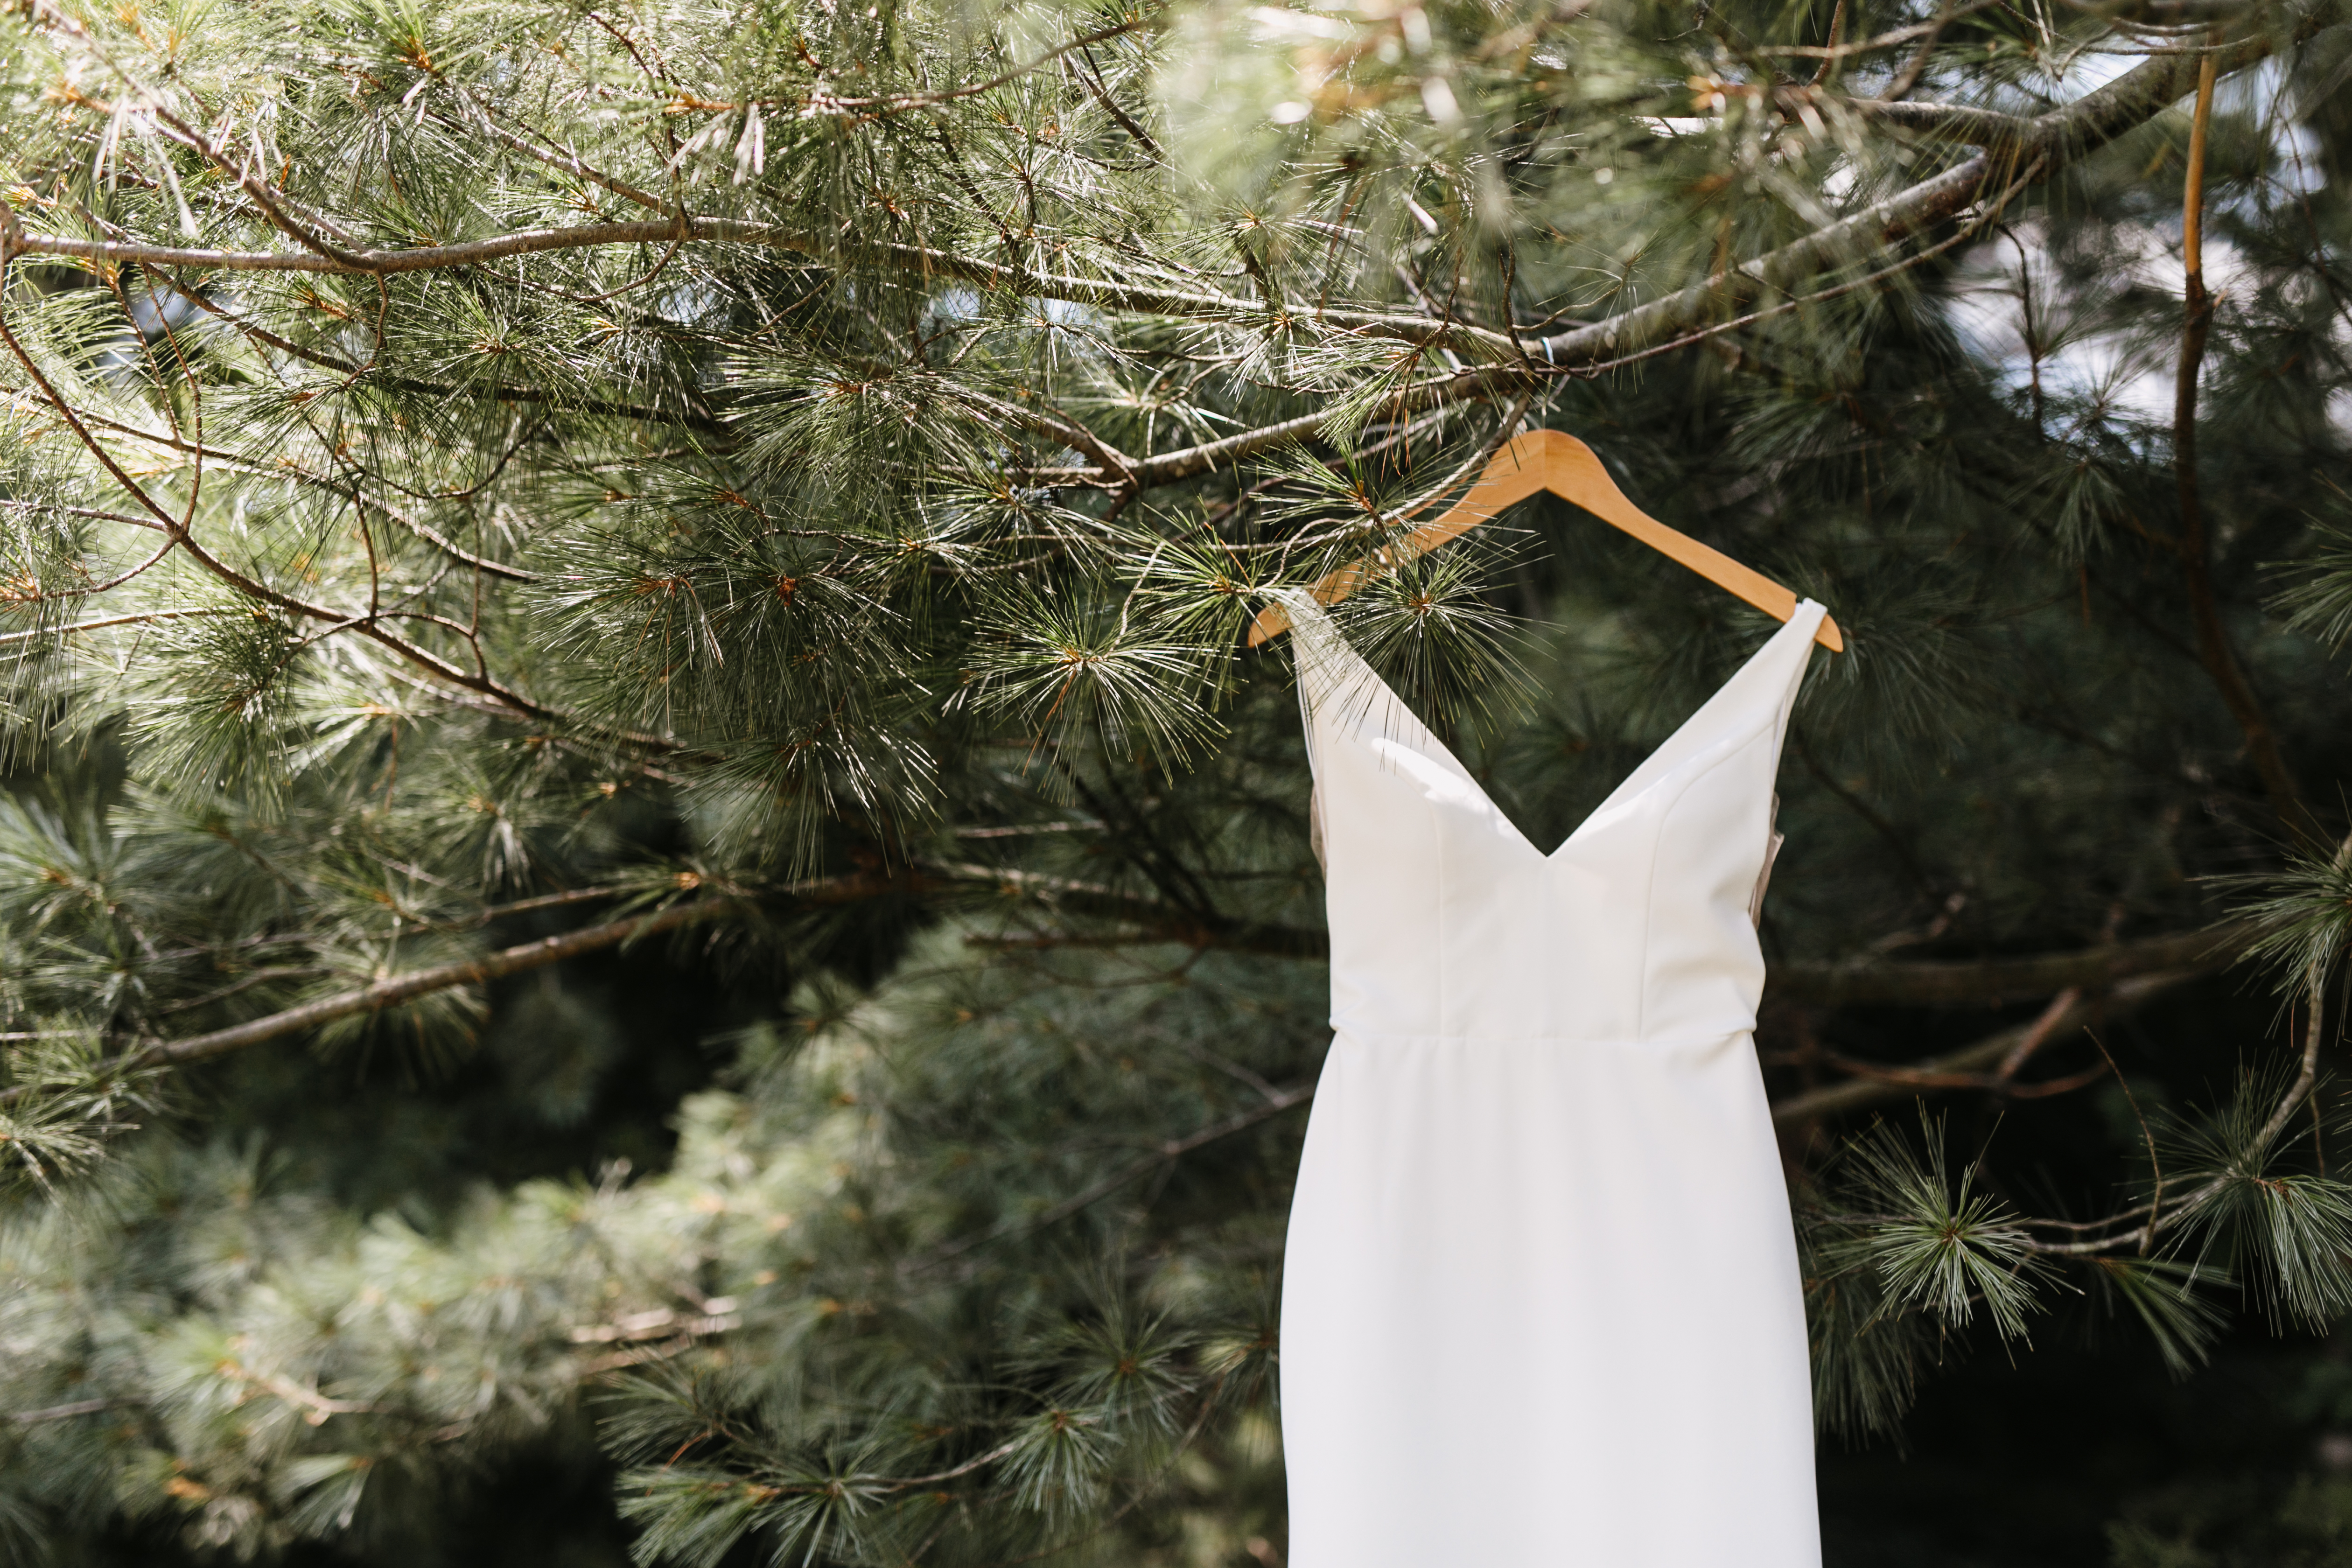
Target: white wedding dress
1540,1301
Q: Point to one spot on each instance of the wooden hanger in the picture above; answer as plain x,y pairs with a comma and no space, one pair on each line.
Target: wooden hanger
1555,461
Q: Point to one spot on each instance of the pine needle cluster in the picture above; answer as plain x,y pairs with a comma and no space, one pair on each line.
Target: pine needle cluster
484,488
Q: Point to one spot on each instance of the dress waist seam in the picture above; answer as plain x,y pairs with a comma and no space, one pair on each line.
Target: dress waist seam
1368,1037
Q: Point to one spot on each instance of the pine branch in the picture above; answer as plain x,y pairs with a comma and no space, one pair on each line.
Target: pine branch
365,624
2055,139
519,396
1162,922
2040,145
1965,1067
1980,982
2037,145
1152,921
394,990
915,260
62,1412
2105,113
1835,50
1992,982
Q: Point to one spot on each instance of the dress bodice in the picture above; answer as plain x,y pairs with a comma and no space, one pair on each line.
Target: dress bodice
1643,921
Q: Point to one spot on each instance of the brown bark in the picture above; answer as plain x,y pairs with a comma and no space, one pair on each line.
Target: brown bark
1994,982
394,989
2214,649
1967,1067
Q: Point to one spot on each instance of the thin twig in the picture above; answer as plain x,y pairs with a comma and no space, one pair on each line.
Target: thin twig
2155,1200
392,991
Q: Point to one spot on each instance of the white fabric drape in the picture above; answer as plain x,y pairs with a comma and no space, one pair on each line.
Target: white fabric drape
1540,1300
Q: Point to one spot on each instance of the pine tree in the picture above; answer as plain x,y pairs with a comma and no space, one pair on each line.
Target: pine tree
503,501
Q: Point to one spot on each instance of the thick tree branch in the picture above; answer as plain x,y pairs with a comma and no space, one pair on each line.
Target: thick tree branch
918,260
1191,462
1929,201
2021,145
1961,123
1977,983
1165,923
1971,1061
1993,982
1152,919
2105,113
396,990
2118,974
2010,141
2018,146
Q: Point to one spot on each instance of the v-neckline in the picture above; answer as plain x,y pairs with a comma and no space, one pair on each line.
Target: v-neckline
1630,788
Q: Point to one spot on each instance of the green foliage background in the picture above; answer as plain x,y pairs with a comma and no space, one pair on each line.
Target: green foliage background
649,903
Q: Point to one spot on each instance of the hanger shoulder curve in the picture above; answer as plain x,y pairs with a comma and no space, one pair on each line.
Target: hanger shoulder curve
1557,461
1516,472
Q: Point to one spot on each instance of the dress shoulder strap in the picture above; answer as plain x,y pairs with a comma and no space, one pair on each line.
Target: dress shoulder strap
1761,690
1341,695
